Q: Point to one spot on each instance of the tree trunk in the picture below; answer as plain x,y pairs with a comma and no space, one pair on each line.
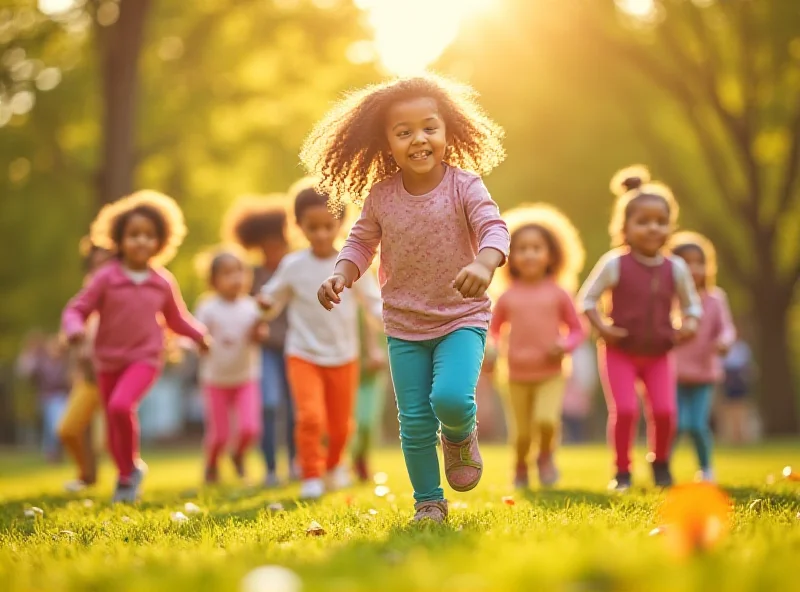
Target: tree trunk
777,400
120,46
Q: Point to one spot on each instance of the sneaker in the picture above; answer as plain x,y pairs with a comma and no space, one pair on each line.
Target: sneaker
339,478
360,467
661,474
271,481
622,482
238,465
128,493
548,473
435,511
521,477
705,476
211,476
463,465
311,489
76,486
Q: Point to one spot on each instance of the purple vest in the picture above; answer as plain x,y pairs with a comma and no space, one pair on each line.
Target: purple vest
641,302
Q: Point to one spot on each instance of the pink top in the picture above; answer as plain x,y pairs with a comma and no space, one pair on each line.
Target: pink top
130,328
698,361
425,241
539,316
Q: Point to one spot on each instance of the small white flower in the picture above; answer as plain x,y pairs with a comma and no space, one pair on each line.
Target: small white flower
191,508
271,578
179,517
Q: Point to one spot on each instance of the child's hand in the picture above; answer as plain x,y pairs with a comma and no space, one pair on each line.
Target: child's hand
205,344
260,332
489,359
375,361
264,301
77,338
723,349
612,335
556,353
328,293
473,280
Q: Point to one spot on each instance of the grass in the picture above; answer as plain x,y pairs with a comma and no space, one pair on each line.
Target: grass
574,538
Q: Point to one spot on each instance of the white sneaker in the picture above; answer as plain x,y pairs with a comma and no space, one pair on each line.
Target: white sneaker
339,478
705,476
311,489
75,486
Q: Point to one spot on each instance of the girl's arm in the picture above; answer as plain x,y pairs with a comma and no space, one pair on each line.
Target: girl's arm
489,227
276,293
73,319
178,318
360,247
604,276
727,333
569,316
691,305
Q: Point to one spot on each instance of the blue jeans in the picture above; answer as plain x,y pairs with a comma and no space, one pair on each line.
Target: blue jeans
694,413
434,383
274,390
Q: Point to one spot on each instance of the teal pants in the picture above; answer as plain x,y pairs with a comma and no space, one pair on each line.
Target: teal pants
434,383
694,414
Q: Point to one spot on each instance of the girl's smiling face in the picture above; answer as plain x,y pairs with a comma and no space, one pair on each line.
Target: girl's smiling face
140,241
417,136
648,226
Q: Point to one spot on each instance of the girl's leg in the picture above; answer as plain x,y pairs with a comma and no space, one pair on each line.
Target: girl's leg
248,415
519,413
217,426
77,418
308,391
272,376
685,401
698,428
411,364
130,388
618,375
340,392
106,382
660,383
547,413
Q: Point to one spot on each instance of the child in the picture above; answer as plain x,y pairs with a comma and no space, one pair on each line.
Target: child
370,396
643,282
739,374
699,362
578,392
407,143
545,257
131,293
229,374
322,349
260,224
75,429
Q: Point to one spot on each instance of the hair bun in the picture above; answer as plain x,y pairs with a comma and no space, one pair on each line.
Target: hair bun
629,178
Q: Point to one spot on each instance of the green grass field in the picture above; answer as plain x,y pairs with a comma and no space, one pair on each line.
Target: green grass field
574,538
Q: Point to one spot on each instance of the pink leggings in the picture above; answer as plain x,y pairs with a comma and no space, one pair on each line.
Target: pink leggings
619,372
246,400
121,391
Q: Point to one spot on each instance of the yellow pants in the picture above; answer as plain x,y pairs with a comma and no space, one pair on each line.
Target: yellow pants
534,411
74,430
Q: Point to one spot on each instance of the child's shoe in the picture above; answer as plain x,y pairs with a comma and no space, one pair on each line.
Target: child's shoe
339,478
521,477
271,481
238,465
463,465
128,493
705,476
548,473
661,474
360,467
622,482
76,486
435,511
211,476
311,489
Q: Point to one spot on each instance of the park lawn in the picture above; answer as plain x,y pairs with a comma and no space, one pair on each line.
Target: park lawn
574,538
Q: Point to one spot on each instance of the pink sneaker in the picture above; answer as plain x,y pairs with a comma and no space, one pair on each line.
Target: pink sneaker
435,511
548,473
463,465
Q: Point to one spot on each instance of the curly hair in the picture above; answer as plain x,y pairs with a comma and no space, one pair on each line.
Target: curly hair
208,261
252,219
632,185
684,241
567,255
108,227
348,152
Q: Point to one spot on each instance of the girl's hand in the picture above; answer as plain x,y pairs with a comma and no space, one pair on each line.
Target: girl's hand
264,302
684,334
328,293
611,334
556,353
77,338
723,349
205,344
473,280
260,332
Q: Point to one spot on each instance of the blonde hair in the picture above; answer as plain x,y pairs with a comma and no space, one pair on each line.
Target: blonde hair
630,184
567,253
687,239
108,227
347,149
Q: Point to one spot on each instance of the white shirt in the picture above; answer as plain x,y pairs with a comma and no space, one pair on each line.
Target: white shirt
325,338
234,357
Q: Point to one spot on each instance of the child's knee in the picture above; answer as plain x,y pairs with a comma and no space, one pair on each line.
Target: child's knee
418,431
452,406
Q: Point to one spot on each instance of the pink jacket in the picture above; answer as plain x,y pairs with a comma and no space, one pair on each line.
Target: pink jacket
131,327
698,361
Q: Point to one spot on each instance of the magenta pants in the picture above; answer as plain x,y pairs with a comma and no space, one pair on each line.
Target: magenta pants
121,392
245,402
620,372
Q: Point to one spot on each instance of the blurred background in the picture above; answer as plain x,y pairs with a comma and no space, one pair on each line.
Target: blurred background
210,99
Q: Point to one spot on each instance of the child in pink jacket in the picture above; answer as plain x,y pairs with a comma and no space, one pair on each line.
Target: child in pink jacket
132,295
699,362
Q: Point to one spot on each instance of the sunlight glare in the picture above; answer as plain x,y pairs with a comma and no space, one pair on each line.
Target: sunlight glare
54,7
642,9
412,34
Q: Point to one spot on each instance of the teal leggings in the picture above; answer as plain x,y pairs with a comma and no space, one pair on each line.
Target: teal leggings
694,413
434,383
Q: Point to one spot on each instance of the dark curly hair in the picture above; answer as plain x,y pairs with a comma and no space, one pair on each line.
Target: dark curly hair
252,219
347,152
108,228
632,186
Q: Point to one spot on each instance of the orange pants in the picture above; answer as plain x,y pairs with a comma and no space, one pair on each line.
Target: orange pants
323,399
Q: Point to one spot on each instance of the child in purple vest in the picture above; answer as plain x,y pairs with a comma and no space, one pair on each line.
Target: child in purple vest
643,282
699,362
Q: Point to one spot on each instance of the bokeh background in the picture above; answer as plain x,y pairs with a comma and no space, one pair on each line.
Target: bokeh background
210,99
